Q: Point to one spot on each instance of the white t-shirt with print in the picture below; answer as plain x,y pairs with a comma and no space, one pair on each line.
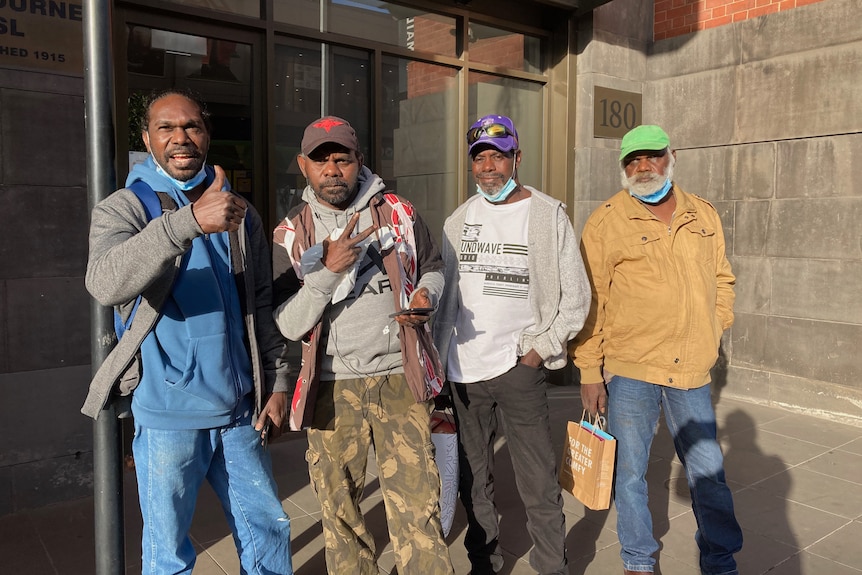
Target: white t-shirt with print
494,291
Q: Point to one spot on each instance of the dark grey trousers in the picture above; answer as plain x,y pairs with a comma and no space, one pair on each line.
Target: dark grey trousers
520,396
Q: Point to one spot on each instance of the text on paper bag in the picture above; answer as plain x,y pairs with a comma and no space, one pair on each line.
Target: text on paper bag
579,456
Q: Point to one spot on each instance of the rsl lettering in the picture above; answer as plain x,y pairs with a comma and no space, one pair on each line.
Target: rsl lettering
9,27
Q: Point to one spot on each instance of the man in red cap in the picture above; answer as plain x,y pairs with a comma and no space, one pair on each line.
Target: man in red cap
662,296
516,293
357,275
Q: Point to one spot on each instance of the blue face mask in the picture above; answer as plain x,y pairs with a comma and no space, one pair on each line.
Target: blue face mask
504,192
656,196
188,184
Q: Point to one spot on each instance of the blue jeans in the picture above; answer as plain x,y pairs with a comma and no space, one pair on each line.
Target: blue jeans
633,411
171,466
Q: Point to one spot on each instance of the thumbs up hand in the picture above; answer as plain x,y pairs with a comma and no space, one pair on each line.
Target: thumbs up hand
217,210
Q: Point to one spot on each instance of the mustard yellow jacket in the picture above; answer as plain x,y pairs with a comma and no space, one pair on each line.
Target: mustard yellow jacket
662,295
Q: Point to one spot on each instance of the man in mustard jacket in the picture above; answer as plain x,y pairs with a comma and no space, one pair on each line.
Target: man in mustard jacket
662,296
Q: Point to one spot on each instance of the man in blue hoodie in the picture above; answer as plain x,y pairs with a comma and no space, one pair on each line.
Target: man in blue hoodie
202,354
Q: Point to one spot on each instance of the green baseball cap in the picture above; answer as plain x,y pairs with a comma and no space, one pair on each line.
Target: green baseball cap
644,138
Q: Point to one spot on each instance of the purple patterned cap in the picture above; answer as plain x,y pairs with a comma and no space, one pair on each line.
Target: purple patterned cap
494,130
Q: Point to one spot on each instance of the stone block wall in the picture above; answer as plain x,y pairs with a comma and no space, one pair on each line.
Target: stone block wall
766,126
45,443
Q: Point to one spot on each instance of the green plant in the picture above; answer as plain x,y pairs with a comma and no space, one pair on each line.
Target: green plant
136,105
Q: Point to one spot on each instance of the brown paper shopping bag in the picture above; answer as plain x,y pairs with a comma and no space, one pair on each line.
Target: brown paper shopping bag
587,468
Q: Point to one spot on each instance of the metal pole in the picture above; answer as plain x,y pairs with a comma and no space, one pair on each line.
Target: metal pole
101,181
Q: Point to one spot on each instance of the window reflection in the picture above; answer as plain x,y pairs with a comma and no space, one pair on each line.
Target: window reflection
304,91
305,13
242,7
350,95
373,20
431,33
393,24
490,45
419,135
218,70
521,101
298,89
181,57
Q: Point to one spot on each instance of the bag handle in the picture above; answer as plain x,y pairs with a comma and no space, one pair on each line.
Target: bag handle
598,421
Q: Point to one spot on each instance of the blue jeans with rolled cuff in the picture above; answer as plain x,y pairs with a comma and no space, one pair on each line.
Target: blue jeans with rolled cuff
633,411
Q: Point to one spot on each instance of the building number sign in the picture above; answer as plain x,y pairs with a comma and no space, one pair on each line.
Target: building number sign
615,112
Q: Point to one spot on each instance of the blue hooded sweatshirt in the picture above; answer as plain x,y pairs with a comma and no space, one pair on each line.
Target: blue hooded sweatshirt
196,368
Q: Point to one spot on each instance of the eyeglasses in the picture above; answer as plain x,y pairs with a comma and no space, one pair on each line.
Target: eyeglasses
653,158
492,131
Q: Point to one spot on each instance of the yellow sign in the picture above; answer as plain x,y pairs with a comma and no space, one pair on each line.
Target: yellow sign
43,35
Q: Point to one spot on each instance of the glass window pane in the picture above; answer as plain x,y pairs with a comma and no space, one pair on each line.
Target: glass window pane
393,24
298,90
489,45
522,101
301,87
241,7
305,13
219,70
419,136
350,95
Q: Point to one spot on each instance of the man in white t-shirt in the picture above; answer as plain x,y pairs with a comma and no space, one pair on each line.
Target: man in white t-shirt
516,293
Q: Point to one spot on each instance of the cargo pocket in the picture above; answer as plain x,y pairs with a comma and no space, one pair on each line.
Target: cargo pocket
432,479
314,472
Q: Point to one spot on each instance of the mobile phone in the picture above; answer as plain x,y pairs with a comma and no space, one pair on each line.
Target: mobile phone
264,433
415,310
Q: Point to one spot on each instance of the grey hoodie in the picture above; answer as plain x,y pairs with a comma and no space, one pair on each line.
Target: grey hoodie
361,339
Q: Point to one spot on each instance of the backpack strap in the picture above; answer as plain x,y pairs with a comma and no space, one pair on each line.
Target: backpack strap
155,204
147,197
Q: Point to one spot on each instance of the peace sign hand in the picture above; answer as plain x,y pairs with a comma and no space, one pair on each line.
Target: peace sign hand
340,255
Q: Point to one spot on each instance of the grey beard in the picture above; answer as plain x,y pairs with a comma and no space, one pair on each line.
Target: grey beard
654,184
492,189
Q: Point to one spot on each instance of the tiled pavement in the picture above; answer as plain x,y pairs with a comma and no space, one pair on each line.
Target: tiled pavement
797,482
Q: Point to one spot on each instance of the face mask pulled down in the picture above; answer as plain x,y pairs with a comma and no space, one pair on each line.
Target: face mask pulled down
502,194
652,191
188,184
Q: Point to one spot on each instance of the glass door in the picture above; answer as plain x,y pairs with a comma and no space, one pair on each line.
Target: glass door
313,80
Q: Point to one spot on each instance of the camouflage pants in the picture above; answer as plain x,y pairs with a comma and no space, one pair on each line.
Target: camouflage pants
351,415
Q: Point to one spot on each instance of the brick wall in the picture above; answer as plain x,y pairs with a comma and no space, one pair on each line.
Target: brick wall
678,17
